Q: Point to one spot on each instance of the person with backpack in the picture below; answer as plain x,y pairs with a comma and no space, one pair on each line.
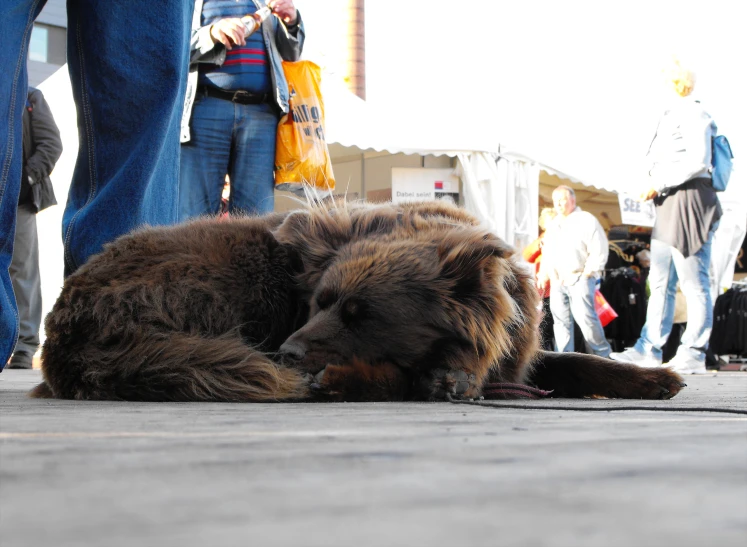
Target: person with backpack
687,215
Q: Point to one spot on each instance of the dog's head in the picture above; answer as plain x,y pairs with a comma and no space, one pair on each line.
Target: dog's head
418,300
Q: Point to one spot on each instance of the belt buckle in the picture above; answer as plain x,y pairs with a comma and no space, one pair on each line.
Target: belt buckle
241,97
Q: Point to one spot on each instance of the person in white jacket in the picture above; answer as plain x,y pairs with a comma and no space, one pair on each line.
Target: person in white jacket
573,257
687,214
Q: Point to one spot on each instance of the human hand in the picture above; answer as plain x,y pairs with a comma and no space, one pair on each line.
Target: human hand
285,10
229,32
651,193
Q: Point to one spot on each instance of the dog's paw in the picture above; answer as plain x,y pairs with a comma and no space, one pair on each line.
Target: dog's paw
359,382
309,378
663,383
649,383
458,384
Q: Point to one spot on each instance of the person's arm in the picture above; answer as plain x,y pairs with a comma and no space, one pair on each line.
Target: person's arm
597,248
289,31
201,45
47,144
210,43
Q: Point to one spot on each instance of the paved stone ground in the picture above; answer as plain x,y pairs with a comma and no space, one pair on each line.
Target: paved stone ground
109,474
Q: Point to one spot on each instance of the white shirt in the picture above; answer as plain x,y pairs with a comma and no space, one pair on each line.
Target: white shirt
574,245
681,149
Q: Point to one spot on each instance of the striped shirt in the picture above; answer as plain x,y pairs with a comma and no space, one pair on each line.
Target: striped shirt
246,67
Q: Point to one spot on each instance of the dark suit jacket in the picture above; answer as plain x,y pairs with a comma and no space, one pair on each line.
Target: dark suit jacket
42,148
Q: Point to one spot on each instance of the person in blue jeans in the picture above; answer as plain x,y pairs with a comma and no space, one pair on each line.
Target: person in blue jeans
687,215
235,95
573,257
129,92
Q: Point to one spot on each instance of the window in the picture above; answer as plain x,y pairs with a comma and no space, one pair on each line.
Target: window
39,44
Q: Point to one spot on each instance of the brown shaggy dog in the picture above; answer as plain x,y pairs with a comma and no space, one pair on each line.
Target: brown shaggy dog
354,302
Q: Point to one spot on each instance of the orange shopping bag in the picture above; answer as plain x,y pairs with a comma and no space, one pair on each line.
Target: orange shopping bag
301,155
604,310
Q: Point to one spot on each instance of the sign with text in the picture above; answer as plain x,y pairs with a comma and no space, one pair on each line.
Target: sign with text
423,184
636,212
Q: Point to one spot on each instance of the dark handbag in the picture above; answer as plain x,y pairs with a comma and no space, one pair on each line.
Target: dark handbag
42,194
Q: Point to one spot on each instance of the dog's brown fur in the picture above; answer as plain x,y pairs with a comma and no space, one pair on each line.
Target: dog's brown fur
180,314
350,302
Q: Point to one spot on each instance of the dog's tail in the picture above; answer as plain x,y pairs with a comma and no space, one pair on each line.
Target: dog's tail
161,367
581,375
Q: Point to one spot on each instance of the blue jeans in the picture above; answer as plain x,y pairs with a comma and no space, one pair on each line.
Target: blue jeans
129,90
667,267
577,301
130,97
234,139
15,31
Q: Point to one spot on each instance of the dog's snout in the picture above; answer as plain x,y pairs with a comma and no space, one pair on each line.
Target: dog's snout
292,349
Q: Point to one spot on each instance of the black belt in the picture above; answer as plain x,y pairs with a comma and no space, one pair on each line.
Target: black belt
240,97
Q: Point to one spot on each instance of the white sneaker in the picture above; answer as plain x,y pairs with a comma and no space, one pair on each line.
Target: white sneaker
632,355
686,365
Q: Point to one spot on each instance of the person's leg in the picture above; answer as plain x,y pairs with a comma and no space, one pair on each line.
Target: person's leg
253,160
662,279
15,31
695,283
561,316
584,311
24,272
205,158
128,64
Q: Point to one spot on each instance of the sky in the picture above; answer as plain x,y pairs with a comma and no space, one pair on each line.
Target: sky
574,84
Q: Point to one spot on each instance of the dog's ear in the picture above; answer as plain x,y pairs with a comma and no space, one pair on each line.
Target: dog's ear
464,256
295,260
314,236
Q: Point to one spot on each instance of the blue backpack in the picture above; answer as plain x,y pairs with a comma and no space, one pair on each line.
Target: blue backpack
721,159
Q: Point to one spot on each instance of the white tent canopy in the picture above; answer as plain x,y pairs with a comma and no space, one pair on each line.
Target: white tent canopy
352,123
503,194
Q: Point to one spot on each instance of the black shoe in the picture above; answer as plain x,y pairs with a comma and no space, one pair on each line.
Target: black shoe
21,359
